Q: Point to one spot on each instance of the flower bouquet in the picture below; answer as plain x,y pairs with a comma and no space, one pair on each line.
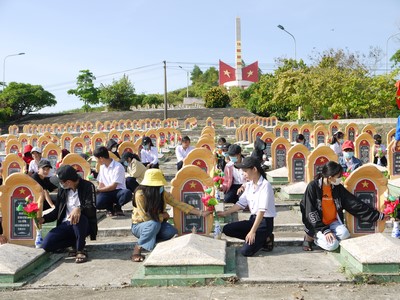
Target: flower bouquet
31,210
210,203
392,206
218,179
345,175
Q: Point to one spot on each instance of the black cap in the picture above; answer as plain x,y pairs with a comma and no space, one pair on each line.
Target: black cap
234,150
146,140
44,163
248,163
225,147
67,172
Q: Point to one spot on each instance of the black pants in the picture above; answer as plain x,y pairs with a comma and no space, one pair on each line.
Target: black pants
242,228
179,165
131,183
66,235
231,195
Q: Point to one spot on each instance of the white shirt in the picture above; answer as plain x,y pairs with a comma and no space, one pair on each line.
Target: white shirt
72,202
238,177
182,153
259,197
149,156
115,172
34,168
337,148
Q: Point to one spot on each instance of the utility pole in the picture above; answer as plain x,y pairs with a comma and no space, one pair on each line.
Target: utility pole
165,91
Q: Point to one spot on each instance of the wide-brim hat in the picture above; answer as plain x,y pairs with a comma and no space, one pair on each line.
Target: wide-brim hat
154,177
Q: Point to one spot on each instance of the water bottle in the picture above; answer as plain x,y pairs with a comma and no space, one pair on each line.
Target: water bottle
39,239
217,230
396,230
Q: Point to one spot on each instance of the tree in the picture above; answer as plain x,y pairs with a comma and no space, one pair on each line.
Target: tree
119,95
20,99
85,90
216,97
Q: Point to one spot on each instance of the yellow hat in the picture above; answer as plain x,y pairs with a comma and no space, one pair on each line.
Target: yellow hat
153,177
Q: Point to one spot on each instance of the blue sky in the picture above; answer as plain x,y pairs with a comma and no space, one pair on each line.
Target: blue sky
109,37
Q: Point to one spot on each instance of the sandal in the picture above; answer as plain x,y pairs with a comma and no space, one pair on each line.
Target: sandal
307,245
81,257
269,243
72,253
109,213
136,255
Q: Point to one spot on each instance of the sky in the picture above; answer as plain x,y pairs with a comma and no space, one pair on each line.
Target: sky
134,37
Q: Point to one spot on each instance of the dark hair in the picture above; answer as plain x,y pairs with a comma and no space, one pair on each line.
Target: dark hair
221,140
153,200
130,155
186,139
101,152
300,137
337,136
331,168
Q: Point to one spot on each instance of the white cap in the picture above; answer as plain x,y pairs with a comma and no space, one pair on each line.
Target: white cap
36,149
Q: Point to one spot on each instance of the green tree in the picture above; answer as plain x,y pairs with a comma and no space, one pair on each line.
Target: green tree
85,90
216,97
20,99
119,95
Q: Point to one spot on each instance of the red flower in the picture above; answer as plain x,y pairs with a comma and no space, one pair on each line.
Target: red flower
31,207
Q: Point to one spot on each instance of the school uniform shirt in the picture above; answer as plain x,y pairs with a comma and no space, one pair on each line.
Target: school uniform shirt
72,202
259,197
182,153
149,156
34,168
115,172
337,148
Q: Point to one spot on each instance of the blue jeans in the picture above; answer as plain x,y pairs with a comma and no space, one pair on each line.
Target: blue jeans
339,230
106,200
150,232
67,235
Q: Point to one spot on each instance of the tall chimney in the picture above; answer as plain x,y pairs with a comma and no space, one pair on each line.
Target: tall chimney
238,51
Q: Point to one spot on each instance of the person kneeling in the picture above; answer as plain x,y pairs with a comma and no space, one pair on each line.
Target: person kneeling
75,213
149,218
322,209
259,196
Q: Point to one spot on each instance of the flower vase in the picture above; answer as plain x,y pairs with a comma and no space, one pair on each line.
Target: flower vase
378,162
396,230
39,239
217,230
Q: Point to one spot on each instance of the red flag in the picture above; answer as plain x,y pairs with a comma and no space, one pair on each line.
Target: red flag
397,85
250,72
226,73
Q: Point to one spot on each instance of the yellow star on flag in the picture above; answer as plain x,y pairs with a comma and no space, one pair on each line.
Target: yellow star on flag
227,73
365,184
249,73
22,191
192,185
322,159
198,163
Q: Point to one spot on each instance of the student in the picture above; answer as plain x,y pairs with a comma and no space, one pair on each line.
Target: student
336,143
112,191
300,139
224,157
348,161
182,151
27,157
149,154
259,197
41,177
379,151
75,213
322,209
134,170
64,153
112,146
234,178
33,165
149,218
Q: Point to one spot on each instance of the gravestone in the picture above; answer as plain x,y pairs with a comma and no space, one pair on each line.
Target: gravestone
294,131
76,161
201,157
12,164
351,132
13,146
364,148
52,153
77,145
393,158
188,186
370,129
368,184
317,159
17,227
319,135
279,149
333,127
285,130
277,130
66,139
268,138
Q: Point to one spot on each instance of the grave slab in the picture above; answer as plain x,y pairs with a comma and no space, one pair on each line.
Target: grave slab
293,191
191,259
19,263
375,255
278,176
